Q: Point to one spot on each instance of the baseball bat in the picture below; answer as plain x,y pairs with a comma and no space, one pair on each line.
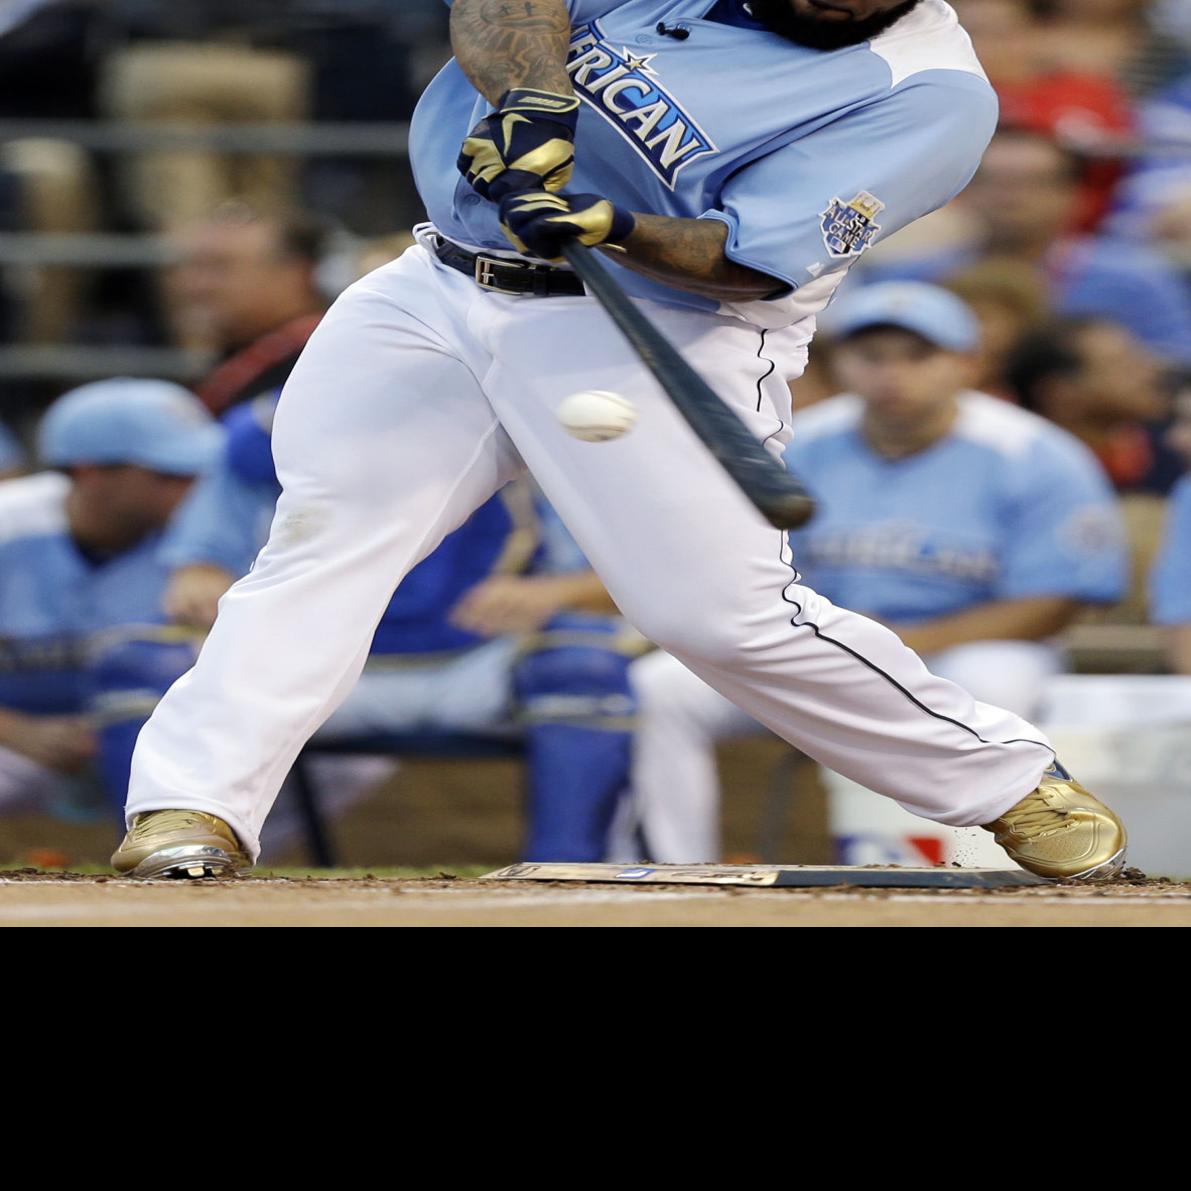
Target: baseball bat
777,495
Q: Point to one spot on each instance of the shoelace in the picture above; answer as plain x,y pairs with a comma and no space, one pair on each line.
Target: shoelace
1038,817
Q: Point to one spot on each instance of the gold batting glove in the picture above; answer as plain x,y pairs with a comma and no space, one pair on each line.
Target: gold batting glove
538,223
528,143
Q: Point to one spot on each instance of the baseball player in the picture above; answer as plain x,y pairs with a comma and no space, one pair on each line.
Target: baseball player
503,630
85,652
973,528
734,160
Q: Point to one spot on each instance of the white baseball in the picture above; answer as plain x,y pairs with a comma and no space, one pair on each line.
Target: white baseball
597,415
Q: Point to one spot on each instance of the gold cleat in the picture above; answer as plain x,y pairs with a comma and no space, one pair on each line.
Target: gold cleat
1060,831
181,844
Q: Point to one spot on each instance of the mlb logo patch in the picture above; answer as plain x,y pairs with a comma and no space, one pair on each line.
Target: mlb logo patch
849,228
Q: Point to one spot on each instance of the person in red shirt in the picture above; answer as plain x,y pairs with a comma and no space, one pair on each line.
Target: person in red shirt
246,285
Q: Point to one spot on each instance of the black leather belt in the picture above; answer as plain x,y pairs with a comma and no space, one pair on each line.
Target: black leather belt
510,277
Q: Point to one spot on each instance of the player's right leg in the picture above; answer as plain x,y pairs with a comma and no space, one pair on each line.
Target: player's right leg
384,443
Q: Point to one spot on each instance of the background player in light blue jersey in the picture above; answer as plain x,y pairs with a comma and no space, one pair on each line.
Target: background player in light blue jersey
972,528
504,630
84,649
1170,578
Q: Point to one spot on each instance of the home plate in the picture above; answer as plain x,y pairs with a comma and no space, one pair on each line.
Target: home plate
771,875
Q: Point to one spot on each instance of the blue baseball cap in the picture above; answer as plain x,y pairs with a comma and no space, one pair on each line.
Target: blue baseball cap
936,314
150,423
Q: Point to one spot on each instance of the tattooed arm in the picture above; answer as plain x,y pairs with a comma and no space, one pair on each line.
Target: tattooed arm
502,44
689,254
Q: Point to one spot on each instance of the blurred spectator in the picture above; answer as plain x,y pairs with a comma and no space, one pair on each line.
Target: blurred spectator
1021,205
1124,39
503,628
1008,301
1096,381
1170,580
1042,91
12,458
82,638
975,530
247,285
1154,201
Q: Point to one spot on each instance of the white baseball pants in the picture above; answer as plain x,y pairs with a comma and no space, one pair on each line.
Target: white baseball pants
418,396
680,719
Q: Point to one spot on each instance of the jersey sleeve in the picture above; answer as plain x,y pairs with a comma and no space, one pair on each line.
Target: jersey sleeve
811,208
1170,578
1064,535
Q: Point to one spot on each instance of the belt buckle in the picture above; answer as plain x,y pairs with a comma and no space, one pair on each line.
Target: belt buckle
486,277
485,272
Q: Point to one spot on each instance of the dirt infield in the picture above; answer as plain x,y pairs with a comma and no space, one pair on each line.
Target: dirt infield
36,899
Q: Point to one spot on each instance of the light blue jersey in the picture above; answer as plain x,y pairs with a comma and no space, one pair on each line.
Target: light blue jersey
807,156
54,600
1170,579
1005,506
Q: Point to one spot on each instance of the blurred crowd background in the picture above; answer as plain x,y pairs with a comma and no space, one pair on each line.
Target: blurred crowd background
185,186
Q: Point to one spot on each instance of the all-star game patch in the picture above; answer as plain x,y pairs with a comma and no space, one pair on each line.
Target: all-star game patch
849,228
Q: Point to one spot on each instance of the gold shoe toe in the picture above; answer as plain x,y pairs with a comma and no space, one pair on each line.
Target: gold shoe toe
179,844
1062,832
